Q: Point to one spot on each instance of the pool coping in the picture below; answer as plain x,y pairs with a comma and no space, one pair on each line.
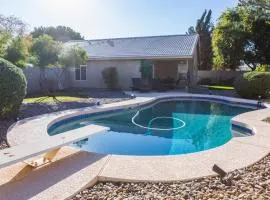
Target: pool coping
239,152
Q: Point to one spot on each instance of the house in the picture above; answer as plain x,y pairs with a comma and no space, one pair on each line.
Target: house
170,56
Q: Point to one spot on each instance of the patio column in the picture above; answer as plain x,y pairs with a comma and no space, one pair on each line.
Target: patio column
153,71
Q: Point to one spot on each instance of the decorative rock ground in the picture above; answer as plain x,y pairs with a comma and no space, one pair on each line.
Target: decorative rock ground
250,183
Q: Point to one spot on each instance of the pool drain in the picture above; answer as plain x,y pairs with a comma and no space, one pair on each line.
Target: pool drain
158,129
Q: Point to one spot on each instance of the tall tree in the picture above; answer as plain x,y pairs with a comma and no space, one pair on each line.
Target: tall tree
264,4
204,28
59,33
17,51
257,50
46,50
73,57
10,27
229,39
241,34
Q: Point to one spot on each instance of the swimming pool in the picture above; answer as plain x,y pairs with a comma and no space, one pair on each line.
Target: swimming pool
163,128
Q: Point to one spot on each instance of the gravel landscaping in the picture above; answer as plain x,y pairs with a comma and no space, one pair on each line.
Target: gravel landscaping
249,183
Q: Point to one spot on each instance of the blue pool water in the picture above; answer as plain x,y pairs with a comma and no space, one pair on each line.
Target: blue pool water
165,128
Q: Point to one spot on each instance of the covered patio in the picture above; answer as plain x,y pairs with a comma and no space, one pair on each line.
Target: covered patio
175,70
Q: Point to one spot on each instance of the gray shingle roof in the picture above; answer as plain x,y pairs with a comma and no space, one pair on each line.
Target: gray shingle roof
171,46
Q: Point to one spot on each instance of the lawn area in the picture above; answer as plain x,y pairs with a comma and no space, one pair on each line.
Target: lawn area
59,97
220,87
48,99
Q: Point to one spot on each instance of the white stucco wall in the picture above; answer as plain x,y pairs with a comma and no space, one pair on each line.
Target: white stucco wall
126,70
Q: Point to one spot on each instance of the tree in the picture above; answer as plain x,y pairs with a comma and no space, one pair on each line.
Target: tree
59,33
191,31
46,50
204,28
10,27
17,51
5,38
257,49
240,35
228,39
73,57
263,4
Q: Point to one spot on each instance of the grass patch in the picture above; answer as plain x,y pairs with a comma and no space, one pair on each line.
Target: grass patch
47,99
59,97
219,87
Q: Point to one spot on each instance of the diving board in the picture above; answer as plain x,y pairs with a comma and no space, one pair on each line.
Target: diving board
49,147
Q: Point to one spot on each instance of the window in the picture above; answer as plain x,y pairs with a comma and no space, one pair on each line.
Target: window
80,73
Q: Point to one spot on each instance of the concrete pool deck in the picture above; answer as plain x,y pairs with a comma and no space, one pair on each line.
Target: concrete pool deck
79,169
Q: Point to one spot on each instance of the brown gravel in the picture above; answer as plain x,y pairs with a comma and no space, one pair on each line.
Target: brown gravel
249,183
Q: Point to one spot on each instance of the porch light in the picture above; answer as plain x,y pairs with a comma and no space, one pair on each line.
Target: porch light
259,103
132,96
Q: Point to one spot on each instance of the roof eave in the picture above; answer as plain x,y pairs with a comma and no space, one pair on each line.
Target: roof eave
140,57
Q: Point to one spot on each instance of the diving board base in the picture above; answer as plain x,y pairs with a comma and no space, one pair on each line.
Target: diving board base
38,162
46,159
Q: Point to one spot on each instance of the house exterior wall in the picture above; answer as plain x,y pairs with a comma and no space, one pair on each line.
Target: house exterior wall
126,70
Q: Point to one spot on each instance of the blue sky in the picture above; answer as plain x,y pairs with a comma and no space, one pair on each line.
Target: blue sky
115,18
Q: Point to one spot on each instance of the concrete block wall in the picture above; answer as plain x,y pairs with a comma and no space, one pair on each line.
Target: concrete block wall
54,77
217,76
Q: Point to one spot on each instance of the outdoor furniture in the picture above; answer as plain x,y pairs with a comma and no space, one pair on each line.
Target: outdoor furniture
158,85
141,84
182,80
49,147
169,83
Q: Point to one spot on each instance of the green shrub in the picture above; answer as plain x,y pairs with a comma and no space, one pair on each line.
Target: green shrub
12,89
110,77
263,68
253,84
146,69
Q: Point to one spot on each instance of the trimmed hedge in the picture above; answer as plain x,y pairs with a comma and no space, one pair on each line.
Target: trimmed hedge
110,78
253,84
12,89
